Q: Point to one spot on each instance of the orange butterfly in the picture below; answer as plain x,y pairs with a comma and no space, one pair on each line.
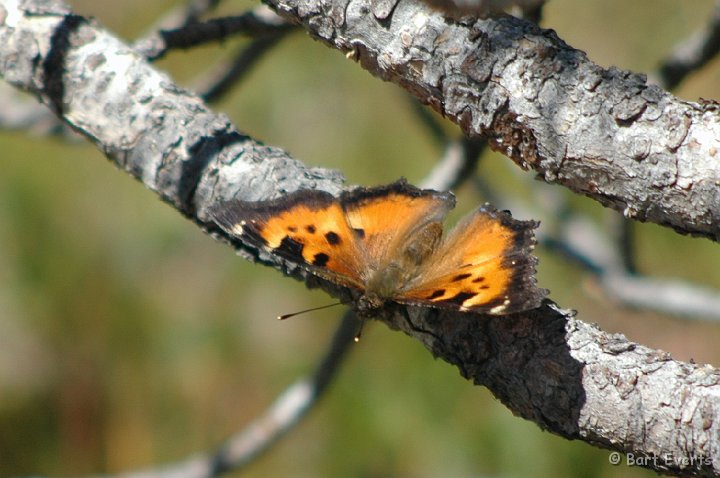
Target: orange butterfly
387,243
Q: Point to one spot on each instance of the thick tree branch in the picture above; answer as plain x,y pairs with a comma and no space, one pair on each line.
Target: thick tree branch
603,133
569,377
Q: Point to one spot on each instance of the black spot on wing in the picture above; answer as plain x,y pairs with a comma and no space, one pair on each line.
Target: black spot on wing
436,294
460,277
332,238
477,280
359,233
310,228
459,298
320,259
291,249
228,214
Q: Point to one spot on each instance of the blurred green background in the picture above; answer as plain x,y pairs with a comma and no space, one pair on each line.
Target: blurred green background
128,338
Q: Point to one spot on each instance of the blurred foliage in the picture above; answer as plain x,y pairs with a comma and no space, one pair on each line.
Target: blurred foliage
128,338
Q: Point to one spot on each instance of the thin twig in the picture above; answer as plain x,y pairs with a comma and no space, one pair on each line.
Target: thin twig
429,120
669,296
151,44
625,240
285,412
583,242
260,21
238,68
692,53
289,408
459,158
456,165
216,29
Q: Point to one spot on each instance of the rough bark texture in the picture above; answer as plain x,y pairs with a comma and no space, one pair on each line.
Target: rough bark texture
603,133
575,380
569,377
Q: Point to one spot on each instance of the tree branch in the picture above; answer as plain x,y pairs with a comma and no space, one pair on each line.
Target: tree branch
460,156
255,23
583,242
231,73
285,412
606,134
567,376
290,407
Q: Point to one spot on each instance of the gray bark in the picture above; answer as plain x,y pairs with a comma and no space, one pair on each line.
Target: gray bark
542,103
604,133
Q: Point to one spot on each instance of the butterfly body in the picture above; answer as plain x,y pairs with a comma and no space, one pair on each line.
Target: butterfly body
387,244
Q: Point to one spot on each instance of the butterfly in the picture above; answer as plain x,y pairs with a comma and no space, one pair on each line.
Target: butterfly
387,244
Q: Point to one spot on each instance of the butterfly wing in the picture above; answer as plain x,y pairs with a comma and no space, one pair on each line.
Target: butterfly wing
307,227
484,265
383,242
387,217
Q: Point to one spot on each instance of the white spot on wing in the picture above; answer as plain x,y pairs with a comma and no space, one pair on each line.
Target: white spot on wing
498,309
237,229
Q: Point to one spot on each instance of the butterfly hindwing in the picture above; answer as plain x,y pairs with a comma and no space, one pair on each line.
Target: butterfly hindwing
484,265
306,227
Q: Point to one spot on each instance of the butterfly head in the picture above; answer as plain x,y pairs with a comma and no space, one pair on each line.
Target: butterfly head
370,302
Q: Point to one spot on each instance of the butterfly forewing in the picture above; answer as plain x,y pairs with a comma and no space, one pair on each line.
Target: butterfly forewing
385,218
306,227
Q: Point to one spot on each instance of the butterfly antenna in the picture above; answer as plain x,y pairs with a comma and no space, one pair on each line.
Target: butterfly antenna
287,316
359,332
